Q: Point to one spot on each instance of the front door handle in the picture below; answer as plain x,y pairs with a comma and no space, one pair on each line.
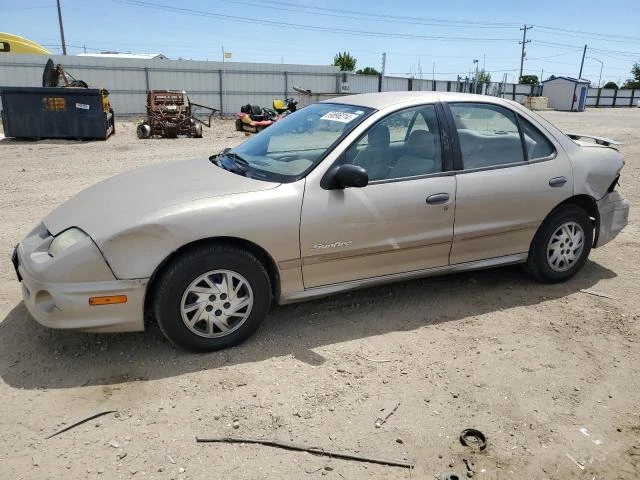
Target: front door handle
437,198
557,181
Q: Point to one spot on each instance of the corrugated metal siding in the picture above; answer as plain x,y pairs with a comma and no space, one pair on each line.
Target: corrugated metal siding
362,83
390,84
129,79
320,83
422,85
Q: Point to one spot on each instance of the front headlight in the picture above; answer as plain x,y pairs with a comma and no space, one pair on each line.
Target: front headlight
65,240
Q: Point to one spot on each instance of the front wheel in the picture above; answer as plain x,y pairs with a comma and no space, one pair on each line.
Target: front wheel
211,297
561,246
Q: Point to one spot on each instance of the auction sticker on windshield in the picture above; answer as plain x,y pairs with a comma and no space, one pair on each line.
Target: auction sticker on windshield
344,117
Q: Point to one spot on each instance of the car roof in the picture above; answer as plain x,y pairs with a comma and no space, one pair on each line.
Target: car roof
382,100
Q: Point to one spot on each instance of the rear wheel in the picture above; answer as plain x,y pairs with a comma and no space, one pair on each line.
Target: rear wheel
143,131
561,245
211,297
239,125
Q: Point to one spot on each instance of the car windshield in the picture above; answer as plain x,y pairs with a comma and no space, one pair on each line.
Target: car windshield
293,146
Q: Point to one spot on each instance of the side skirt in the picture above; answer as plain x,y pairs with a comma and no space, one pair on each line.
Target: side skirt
327,290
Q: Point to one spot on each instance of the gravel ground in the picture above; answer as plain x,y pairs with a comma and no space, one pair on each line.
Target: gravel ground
549,373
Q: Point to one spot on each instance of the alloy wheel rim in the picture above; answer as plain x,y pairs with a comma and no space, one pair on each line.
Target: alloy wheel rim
216,303
565,246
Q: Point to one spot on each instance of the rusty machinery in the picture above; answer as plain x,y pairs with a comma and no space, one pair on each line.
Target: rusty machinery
170,113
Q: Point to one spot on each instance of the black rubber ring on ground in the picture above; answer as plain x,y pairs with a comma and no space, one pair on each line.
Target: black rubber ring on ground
479,440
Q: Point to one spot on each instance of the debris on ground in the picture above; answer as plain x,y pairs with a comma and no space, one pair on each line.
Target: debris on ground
598,294
301,448
80,422
473,438
386,413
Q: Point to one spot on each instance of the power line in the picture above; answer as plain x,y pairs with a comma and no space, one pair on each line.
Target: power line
432,22
344,31
395,18
597,35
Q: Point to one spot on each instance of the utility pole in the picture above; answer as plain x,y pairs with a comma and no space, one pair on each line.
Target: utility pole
523,43
584,52
575,86
475,80
384,66
64,45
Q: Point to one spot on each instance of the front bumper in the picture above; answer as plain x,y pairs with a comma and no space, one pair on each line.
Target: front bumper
56,291
613,209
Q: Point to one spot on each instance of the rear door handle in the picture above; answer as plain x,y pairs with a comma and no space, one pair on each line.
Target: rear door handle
437,198
557,181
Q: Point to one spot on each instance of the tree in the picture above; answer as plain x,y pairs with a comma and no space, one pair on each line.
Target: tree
529,80
635,81
345,61
483,77
368,71
613,85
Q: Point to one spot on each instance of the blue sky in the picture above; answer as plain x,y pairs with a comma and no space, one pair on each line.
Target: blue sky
418,36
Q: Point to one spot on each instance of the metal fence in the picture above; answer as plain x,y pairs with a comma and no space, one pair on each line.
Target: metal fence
609,97
228,86
225,86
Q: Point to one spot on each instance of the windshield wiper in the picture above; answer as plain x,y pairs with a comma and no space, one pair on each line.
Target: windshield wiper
237,158
238,164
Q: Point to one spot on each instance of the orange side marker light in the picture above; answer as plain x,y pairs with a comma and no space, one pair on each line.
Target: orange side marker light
108,300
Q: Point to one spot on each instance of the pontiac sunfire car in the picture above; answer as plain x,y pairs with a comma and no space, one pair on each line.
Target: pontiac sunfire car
342,194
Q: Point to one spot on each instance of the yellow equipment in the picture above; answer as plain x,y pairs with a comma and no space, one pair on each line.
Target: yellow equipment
15,44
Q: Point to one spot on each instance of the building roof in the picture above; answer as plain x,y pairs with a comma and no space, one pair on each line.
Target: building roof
139,56
570,79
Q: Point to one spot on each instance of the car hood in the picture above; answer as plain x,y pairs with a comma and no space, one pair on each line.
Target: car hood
122,201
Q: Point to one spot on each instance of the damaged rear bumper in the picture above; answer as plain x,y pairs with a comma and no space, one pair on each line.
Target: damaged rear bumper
614,216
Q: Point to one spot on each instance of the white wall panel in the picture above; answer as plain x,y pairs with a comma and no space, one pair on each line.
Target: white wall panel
242,83
391,84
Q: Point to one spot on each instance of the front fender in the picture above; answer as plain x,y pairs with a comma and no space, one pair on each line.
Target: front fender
269,219
135,252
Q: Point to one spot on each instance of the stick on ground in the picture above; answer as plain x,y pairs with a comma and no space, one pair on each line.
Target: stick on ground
80,422
301,448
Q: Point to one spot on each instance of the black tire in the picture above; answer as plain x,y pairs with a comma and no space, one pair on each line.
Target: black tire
143,131
239,125
539,266
178,276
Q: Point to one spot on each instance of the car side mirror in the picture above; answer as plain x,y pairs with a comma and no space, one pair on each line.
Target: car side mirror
349,175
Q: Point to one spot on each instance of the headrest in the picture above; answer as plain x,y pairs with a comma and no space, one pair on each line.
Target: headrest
379,136
421,143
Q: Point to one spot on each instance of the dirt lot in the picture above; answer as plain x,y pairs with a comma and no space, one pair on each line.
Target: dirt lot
549,373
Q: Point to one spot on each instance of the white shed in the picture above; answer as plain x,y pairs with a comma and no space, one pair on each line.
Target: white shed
566,93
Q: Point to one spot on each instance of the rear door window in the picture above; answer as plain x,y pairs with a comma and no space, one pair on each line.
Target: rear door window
488,135
537,144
